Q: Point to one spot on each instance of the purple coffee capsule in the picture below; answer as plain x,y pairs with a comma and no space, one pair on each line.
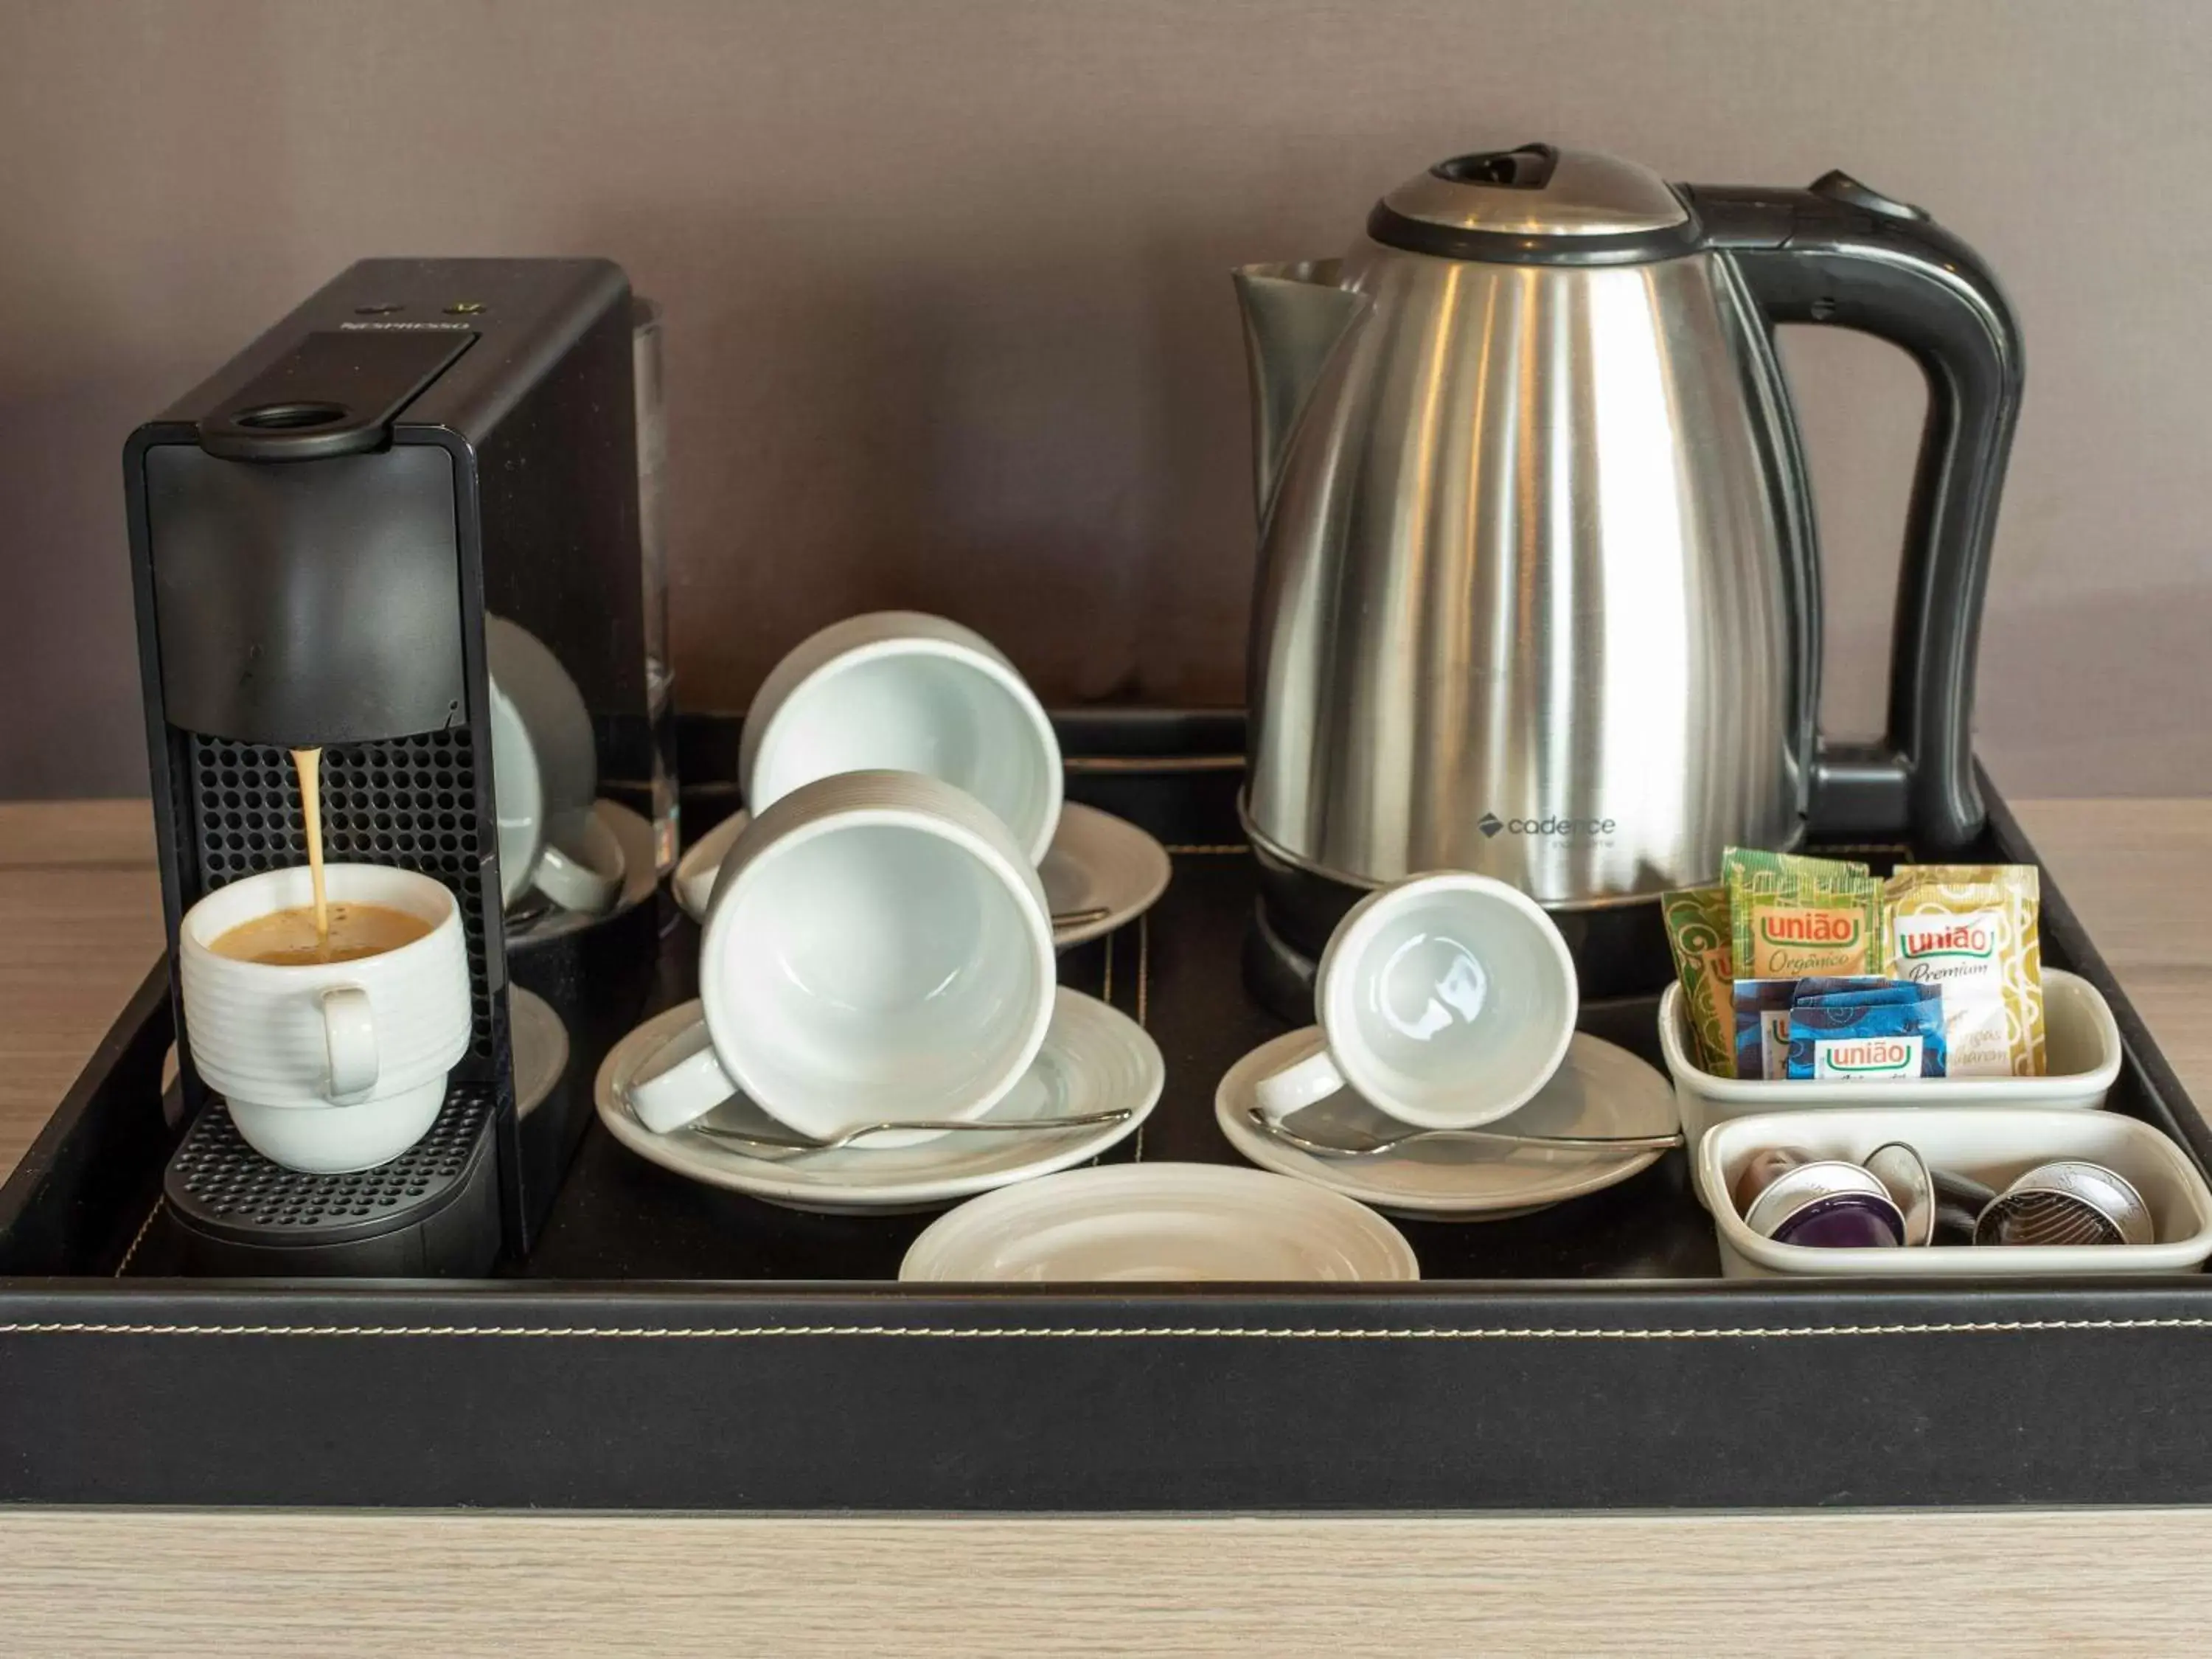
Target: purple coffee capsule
1843,1221
1827,1205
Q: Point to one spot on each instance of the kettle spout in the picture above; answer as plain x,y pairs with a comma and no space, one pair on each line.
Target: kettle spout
1295,316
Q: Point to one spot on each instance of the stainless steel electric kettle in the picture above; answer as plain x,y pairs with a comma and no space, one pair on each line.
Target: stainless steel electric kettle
1538,593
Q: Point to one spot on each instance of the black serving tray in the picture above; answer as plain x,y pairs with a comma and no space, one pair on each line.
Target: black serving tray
668,1345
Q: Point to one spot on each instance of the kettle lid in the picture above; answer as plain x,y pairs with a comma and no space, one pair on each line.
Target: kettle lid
1536,204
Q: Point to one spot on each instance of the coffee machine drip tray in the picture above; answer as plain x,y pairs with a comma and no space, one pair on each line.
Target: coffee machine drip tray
431,1213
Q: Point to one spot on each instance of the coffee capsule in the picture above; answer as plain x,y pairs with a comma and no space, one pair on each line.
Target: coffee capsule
2068,1202
1760,1172
1911,1186
1828,1204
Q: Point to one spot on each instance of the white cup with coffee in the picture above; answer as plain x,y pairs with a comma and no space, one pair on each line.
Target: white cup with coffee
331,1052
877,949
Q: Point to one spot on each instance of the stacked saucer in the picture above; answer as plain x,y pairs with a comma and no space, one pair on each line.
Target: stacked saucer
1096,1063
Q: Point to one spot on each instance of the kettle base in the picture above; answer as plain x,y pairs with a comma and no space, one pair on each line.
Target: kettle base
1619,950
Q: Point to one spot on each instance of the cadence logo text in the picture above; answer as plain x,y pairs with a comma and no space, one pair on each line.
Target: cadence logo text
1492,825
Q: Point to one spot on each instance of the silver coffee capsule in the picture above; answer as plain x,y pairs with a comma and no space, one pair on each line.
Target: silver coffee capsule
2068,1202
1904,1174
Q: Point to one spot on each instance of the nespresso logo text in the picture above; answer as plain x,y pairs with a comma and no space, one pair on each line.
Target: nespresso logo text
417,328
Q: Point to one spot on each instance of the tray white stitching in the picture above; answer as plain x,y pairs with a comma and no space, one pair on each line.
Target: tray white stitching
1130,1333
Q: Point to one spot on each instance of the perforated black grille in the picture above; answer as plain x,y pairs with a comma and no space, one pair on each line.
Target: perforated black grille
219,1184
407,802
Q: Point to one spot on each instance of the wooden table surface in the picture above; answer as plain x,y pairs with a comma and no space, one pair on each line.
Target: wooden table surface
79,925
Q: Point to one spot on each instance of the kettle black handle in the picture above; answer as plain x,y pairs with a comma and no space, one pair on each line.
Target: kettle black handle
1842,254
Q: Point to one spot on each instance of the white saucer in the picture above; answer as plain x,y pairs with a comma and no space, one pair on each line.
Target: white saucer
1171,1223
1601,1089
1095,1059
1097,862
539,1043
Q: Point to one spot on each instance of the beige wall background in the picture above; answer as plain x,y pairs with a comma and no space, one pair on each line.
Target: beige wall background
949,320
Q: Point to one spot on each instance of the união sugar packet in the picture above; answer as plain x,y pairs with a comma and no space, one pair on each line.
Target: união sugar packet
1744,860
1817,986
1762,1027
1768,1015
1696,920
1885,1032
1795,923
1974,929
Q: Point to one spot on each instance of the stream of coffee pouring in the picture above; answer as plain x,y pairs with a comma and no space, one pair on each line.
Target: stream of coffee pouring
310,764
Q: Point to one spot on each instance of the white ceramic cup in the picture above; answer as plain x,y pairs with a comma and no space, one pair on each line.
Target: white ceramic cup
544,765
328,1066
901,691
876,948
1448,1001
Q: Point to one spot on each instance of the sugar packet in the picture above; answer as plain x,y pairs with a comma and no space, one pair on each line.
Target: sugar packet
1793,923
1890,1031
1974,929
1762,1019
1697,920
1819,986
1762,1027
1743,861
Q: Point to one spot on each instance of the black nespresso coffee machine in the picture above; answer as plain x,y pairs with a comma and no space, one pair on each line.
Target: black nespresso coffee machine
317,534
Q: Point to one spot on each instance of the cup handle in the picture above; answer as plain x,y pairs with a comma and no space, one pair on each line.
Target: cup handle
349,1040
572,884
678,1093
1300,1084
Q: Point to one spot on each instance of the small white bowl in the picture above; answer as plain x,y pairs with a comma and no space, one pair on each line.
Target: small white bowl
1992,1145
2082,1045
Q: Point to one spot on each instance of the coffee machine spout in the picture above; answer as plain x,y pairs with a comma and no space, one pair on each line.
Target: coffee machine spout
1295,318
